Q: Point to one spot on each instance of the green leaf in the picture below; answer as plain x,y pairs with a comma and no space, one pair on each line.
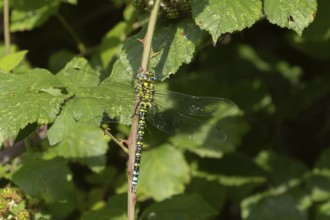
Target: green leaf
29,102
23,19
78,82
225,16
275,207
59,59
111,43
73,2
86,145
323,211
319,30
233,125
12,60
63,125
174,44
319,187
191,207
211,191
292,14
160,178
47,179
282,171
322,166
114,210
231,170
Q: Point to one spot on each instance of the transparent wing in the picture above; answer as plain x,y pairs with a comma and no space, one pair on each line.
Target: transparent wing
194,105
185,127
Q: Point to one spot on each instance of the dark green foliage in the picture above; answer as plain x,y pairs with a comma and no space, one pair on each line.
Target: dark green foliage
273,63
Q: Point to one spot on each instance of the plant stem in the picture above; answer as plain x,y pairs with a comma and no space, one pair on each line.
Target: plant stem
147,47
6,25
80,45
106,131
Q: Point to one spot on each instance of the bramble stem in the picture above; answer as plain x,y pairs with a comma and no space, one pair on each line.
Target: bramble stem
6,25
106,131
147,47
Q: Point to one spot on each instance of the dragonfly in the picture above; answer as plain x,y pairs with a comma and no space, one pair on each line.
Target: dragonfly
182,115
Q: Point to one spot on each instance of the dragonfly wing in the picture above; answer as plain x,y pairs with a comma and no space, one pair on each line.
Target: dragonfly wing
185,127
194,105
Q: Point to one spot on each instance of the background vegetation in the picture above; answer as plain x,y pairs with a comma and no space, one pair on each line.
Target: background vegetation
274,165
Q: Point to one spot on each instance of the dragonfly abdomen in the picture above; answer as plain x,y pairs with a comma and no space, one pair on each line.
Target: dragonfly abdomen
145,89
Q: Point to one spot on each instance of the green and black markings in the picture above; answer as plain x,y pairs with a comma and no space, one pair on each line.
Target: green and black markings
145,90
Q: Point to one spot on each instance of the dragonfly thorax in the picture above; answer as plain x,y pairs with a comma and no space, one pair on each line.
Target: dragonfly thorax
145,88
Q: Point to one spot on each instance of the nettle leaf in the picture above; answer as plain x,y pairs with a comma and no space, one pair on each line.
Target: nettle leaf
231,170
26,98
160,177
191,207
225,16
282,207
28,16
9,62
292,14
283,171
86,145
174,44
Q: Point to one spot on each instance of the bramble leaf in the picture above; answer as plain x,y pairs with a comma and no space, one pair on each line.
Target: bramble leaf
84,144
292,14
27,15
9,62
36,99
47,179
160,178
173,44
225,16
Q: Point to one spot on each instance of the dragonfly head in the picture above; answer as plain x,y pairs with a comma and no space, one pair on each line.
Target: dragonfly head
147,76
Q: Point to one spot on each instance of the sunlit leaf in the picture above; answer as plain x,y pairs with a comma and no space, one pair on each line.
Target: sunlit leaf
225,16
174,45
86,145
37,99
10,61
292,14
30,16
160,177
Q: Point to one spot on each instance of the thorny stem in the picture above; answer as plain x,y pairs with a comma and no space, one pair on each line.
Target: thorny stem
120,143
147,44
81,46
